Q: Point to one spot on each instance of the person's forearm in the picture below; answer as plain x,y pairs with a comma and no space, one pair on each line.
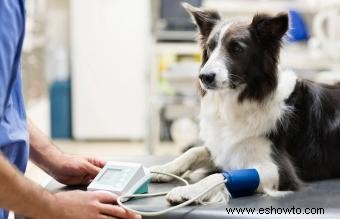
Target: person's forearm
20,194
42,151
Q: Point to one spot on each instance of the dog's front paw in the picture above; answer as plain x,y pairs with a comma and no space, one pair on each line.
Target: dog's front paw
183,193
157,177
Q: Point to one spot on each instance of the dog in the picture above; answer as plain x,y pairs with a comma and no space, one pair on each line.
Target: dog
254,115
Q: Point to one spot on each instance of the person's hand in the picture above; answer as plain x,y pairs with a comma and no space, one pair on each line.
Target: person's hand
73,170
87,205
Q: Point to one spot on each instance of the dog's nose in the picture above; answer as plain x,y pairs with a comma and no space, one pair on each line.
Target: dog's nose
207,79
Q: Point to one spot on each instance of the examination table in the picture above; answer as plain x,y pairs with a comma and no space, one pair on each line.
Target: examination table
324,194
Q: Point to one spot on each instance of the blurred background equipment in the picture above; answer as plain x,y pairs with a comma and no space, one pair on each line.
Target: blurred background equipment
184,132
174,22
327,31
298,28
61,119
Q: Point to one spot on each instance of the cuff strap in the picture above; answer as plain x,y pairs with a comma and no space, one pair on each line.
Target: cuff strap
241,182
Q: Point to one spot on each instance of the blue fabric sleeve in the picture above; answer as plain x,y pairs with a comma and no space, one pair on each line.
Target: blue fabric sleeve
11,39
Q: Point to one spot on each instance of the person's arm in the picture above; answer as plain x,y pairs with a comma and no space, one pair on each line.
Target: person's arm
26,198
16,191
42,151
70,170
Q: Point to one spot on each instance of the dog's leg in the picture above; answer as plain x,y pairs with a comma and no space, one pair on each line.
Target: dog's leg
183,193
194,158
269,180
196,175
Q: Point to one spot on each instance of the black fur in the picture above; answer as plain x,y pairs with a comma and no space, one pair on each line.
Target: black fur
310,137
264,42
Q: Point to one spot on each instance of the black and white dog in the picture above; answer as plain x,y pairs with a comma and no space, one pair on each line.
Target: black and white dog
253,115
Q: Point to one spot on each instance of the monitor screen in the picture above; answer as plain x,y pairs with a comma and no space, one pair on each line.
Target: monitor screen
110,176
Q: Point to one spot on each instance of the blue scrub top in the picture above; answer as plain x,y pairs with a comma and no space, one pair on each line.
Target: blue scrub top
13,125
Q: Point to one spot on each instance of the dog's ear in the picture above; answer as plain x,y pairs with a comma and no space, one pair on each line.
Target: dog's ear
271,27
205,20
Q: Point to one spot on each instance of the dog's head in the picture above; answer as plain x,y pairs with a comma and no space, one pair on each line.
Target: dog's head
238,55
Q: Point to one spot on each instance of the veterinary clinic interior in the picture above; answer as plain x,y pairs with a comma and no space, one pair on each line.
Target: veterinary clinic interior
120,81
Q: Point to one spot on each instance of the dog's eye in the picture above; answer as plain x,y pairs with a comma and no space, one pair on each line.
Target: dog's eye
235,47
211,46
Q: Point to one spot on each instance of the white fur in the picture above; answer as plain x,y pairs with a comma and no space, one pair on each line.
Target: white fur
219,194
192,165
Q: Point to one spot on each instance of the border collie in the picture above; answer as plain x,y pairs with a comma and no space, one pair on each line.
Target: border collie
253,115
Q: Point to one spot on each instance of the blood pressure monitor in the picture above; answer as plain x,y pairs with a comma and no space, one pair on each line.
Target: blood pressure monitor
122,178
131,180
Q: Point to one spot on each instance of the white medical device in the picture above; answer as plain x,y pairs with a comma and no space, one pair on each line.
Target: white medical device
122,178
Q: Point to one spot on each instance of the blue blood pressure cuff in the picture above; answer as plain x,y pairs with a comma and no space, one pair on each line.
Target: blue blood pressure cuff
241,182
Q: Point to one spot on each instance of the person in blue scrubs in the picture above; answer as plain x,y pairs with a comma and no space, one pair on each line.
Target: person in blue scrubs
20,140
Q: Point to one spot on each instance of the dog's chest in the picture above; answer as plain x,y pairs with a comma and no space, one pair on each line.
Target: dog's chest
235,135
